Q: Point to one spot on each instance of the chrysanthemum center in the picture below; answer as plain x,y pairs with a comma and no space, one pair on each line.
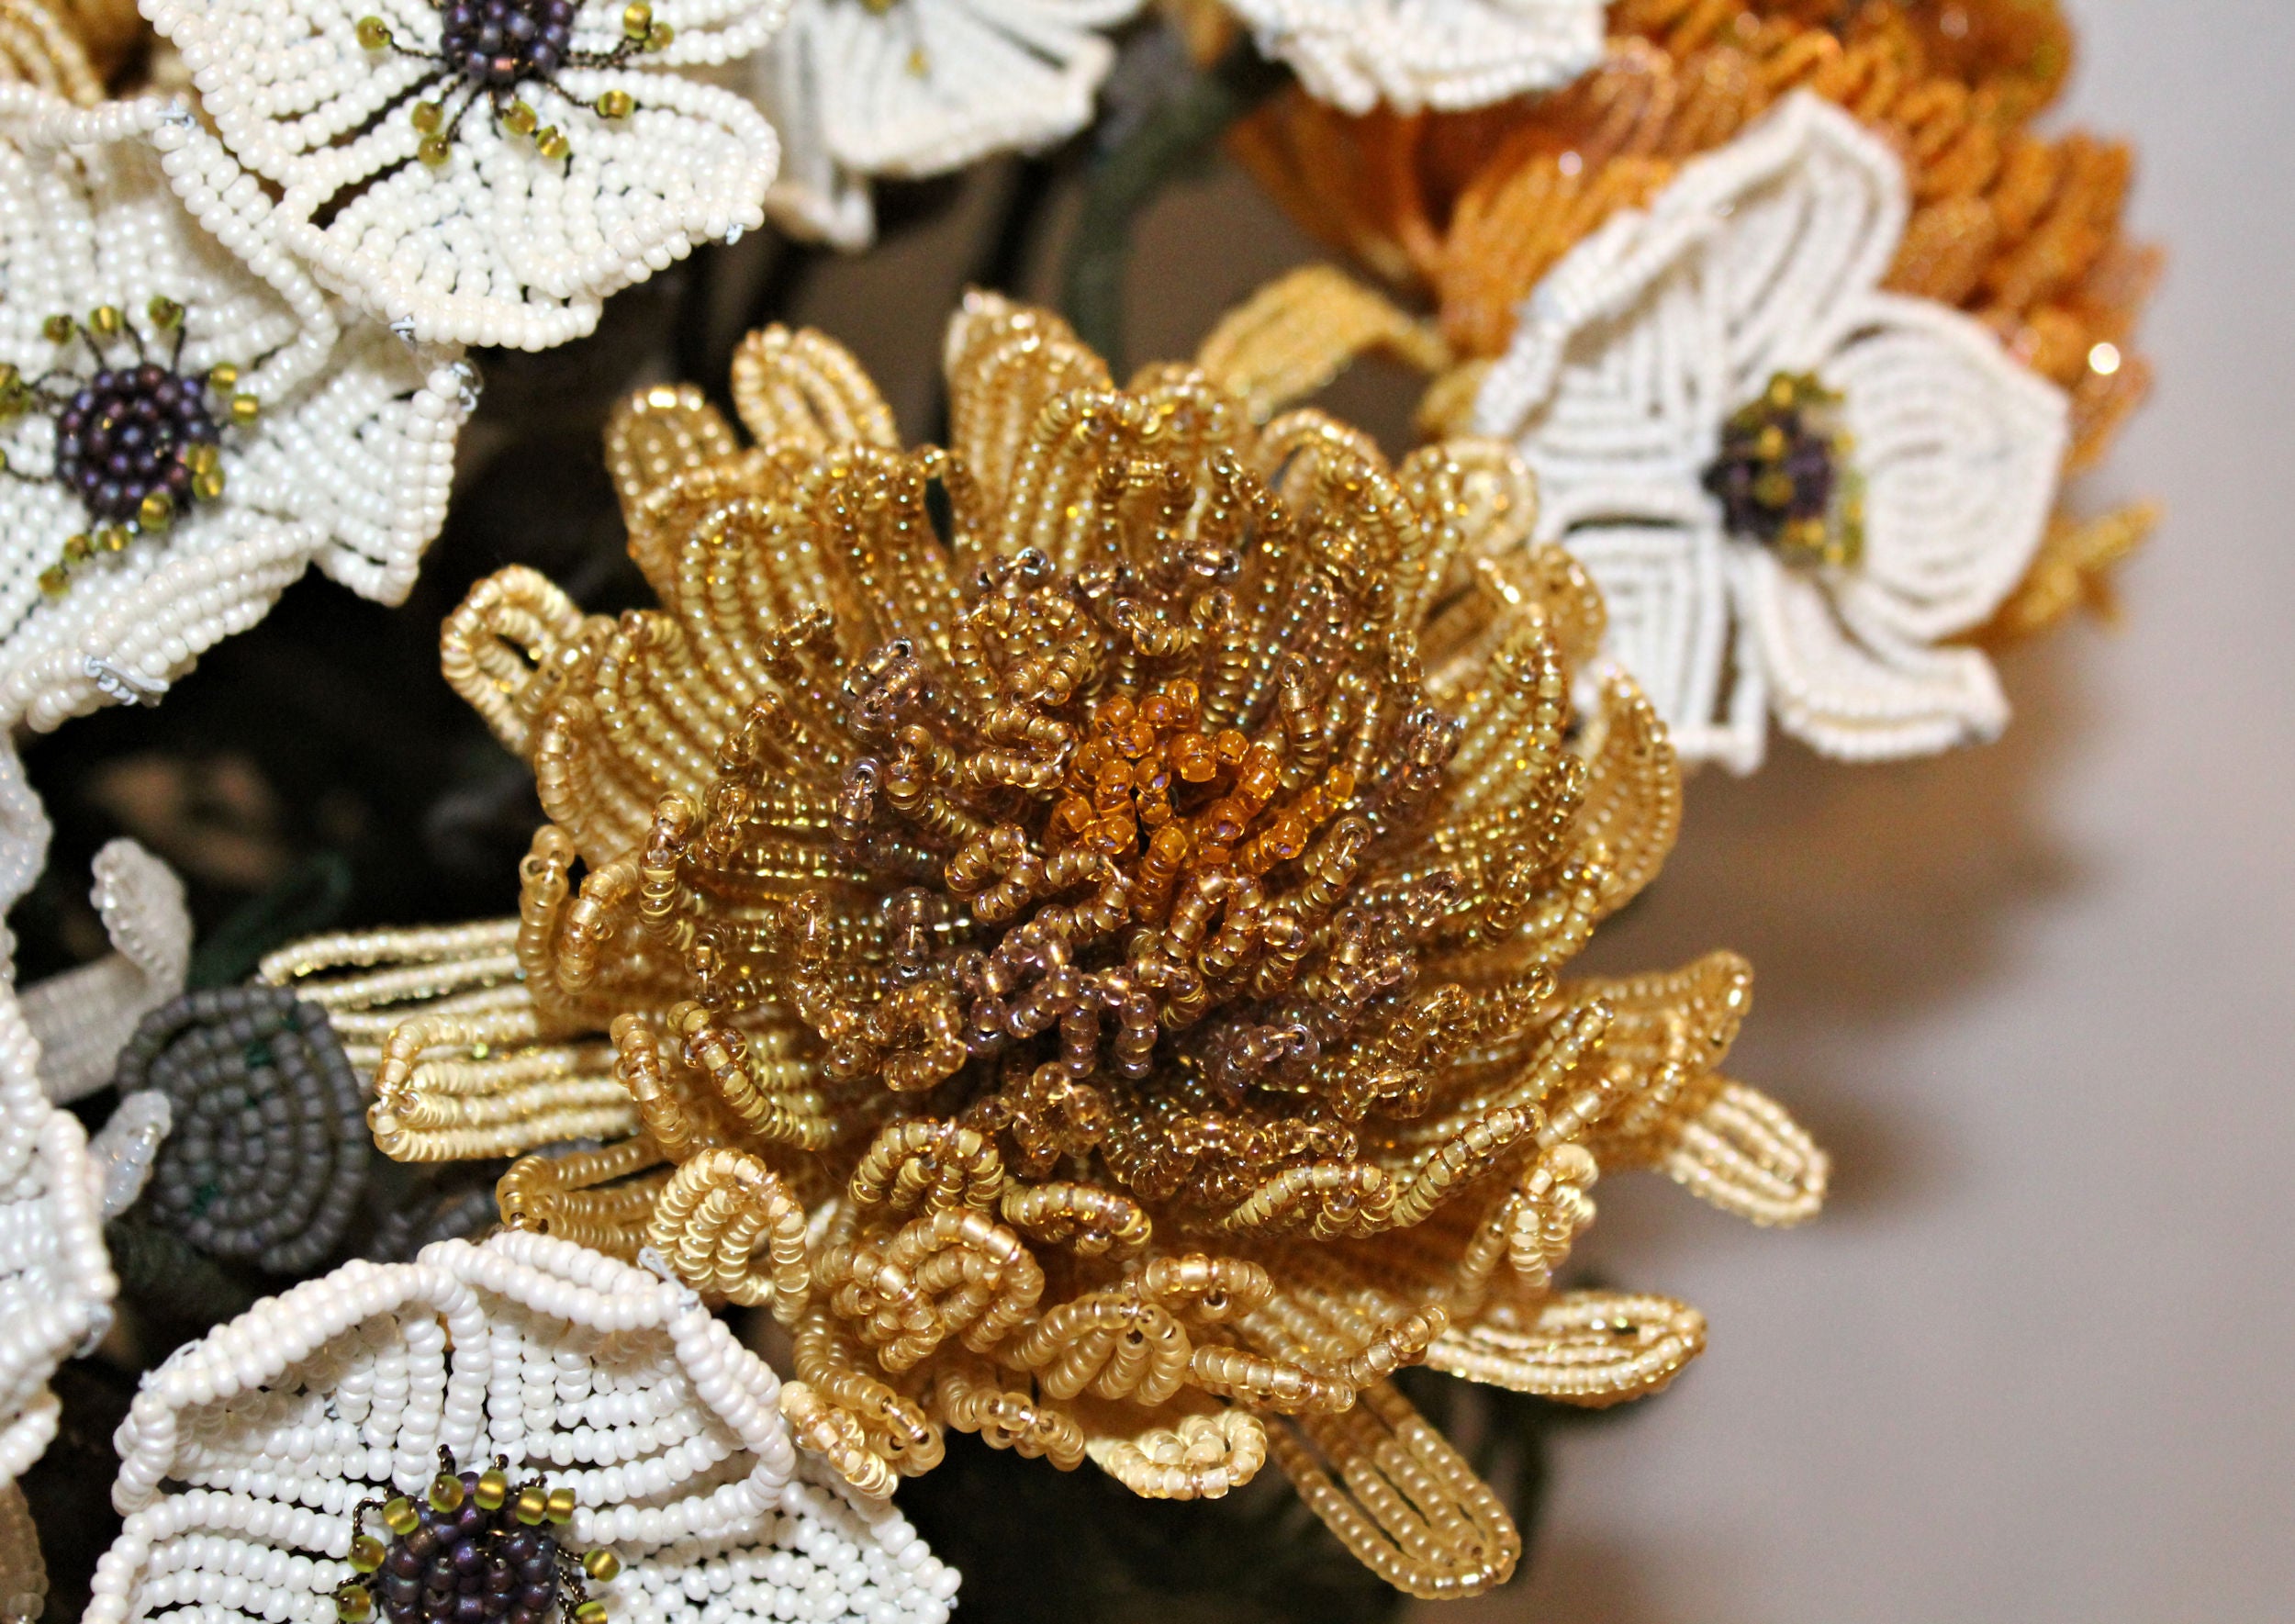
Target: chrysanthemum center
498,43
1783,476
131,434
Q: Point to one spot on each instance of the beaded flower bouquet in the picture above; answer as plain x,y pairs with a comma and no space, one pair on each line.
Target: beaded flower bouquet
792,1009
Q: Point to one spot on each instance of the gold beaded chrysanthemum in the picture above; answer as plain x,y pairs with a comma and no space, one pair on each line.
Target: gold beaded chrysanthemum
1073,923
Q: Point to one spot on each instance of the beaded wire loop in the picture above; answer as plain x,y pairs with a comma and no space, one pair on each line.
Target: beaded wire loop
1090,964
56,1283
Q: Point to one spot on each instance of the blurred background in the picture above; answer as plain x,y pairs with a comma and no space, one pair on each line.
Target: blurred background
2039,999
2035,1360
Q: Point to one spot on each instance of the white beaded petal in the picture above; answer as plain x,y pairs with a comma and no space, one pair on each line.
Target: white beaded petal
920,87
498,245
126,1147
1446,55
349,463
56,1283
83,1017
246,1455
1766,257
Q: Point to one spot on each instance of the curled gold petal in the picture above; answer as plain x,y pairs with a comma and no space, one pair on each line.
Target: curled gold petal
1399,1497
1592,1349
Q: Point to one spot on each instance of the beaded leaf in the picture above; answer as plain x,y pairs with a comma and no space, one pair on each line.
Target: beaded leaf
1758,262
1439,54
247,1456
508,237
346,457
1088,963
920,87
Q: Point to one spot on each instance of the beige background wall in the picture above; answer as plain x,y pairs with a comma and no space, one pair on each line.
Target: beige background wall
2035,1362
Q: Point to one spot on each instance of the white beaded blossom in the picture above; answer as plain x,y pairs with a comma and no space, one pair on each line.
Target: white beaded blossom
500,243
349,461
1763,260
1439,55
246,1454
920,87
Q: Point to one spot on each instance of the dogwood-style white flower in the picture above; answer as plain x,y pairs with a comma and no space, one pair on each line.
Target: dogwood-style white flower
185,422
1443,55
487,172
246,1457
920,88
1794,489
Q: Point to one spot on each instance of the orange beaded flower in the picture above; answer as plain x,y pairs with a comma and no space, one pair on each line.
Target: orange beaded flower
1079,920
2021,231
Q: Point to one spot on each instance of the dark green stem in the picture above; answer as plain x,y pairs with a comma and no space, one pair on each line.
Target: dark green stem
1126,178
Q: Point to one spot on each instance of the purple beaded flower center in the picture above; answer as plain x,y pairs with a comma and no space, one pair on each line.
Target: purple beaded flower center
121,437
470,1566
498,43
1784,474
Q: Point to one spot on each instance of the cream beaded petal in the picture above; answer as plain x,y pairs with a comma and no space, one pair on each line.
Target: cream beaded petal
84,1016
919,87
1761,261
246,1455
1445,55
499,244
349,462
56,1284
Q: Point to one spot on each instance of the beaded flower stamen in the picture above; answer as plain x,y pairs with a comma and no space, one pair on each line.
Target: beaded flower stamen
1784,474
136,444
489,47
475,1548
